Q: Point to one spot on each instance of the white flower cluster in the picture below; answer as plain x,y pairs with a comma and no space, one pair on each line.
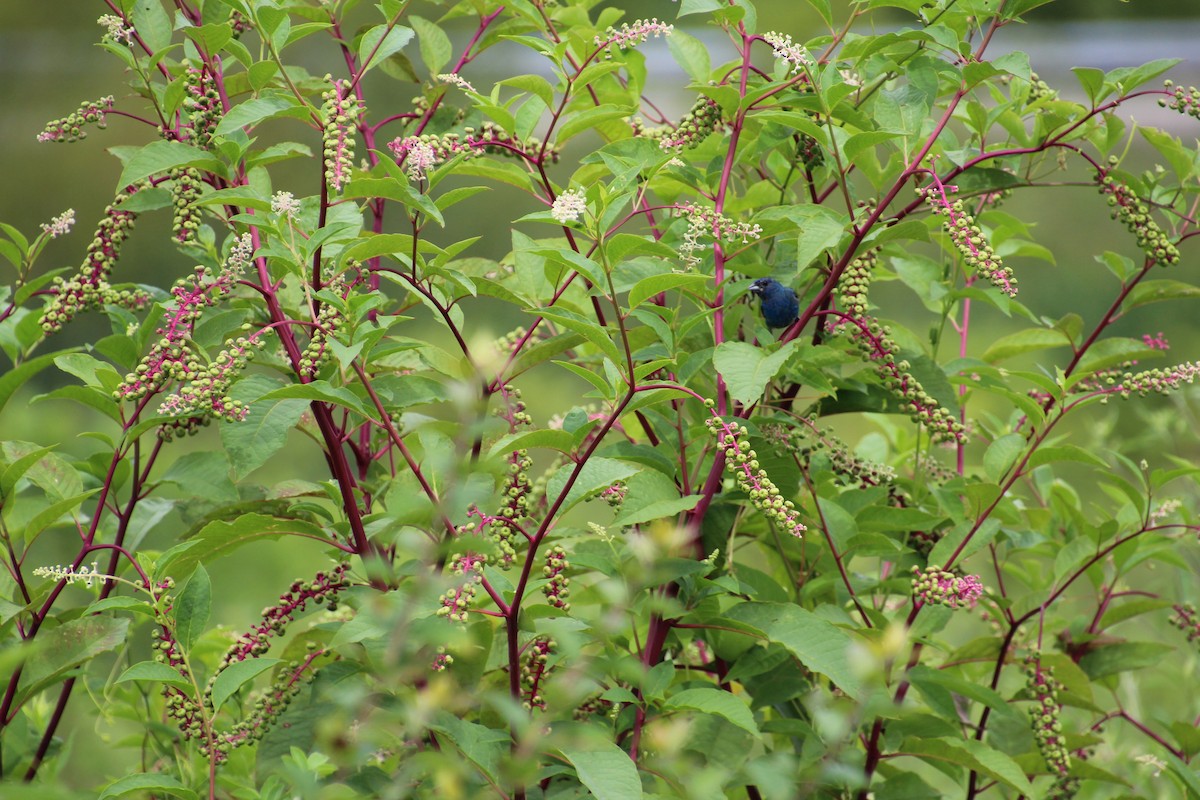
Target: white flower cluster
568,206
116,29
785,49
82,575
60,225
457,80
285,204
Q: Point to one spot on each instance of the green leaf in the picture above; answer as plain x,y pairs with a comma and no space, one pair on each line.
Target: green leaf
646,288
657,510
434,44
51,514
973,755
152,22
192,608
1026,341
237,675
222,537
154,671
716,702
690,54
1002,454
748,369
160,156
604,769
203,473
481,745
818,644
1092,81
1123,657
1156,291
147,782
595,476
820,228
253,441
1065,452
257,109
321,392
59,650
378,43
14,471
14,378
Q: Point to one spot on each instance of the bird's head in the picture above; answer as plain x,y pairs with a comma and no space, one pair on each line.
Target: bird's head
762,286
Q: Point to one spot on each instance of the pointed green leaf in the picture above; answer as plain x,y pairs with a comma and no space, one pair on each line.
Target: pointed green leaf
192,608
716,702
748,369
237,675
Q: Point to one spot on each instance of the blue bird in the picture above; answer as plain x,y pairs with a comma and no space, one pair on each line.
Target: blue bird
780,304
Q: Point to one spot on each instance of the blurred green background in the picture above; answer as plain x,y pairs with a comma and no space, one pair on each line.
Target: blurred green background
49,64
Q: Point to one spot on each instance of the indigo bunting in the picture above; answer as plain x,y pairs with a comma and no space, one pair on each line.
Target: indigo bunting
780,304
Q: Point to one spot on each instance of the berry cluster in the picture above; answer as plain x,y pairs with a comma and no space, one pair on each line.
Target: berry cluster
967,237
89,288
807,442
70,127
171,357
938,587
557,588
874,342
696,126
1038,90
322,590
205,396
203,105
742,461
1154,380
338,114
185,190
1185,101
1187,620
329,320
1135,216
534,671
632,34
265,708
1047,727
615,495
454,603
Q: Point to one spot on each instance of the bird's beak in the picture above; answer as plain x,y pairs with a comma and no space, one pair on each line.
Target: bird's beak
755,289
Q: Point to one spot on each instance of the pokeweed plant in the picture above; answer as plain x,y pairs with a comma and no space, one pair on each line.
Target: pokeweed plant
847,560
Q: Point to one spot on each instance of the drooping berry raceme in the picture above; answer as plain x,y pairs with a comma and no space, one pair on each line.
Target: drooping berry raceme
874,342
89,288
1161,381
454,603
1135,216
338,115
205,396
935,586
534,671
71,127
742,462
807,442
330,319
203,105
967,237
171,357
1045,718
505,525
185,190
322,590
1187,620
557,588
706,222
